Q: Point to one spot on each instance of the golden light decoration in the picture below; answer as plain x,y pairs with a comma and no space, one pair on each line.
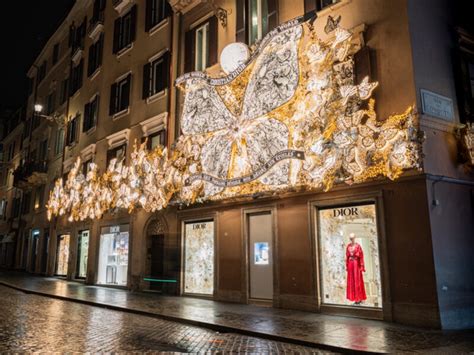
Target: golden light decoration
291,117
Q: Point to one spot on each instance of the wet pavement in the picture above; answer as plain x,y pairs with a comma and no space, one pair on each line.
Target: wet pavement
32,323
303,328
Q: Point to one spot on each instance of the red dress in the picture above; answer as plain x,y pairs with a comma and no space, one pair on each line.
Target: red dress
355,280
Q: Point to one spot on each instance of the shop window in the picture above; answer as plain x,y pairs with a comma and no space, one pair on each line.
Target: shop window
113,256
55,57
116,153
155,76
95,56
82,254
124,30
59,141
201,46
62,256
91,113
255,18
349,256
199,257
120,95
76,78
156,139
156,12
72,130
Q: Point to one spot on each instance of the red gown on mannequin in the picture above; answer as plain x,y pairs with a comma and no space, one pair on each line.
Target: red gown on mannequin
355,266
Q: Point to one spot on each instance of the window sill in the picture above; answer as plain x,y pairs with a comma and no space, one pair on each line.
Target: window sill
76,94
158,26
329,9
124,50
157,96
94,74
90,130
120,114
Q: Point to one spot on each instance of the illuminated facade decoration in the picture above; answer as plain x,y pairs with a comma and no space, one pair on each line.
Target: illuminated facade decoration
468,142
290,117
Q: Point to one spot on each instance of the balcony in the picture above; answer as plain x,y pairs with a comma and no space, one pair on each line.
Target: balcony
30,174
122,5
96,26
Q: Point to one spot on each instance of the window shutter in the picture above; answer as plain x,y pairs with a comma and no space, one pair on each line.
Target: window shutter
117,25
148,13
100,50
168,11
146,80
85,125
189,51
362,64
102,5
113,97
272,17
212,55
133,22
126,94
90,61
165,75
80,73
71,36
96,111
240,30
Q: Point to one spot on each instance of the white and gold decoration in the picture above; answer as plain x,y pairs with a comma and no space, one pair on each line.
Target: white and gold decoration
289,116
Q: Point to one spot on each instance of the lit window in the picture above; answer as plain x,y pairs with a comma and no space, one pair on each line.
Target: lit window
202,47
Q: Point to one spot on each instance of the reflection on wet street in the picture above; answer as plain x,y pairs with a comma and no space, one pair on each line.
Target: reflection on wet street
30,323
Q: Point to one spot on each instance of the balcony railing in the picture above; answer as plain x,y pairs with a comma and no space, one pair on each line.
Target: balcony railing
30,174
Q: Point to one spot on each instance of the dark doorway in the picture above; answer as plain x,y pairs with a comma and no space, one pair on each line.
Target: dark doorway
35,234
156,254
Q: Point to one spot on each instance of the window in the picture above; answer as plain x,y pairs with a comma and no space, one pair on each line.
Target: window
156,11
16,207
30,85
255,18
42,72
155,76
317,5
11,151
86,167
43,151
39,197
156,139
59,142
3,207
201,46
55,53
63,94
76,81
77,35
464,73
116,153
26,202
91,111
50,103
124,30
98,11
120,95
95,56
72,130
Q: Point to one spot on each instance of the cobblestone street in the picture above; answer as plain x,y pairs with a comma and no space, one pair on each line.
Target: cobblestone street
30,323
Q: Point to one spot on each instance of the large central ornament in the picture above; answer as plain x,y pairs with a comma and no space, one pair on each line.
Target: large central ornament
288,115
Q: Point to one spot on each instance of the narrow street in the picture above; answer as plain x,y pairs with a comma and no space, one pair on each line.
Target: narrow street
30,323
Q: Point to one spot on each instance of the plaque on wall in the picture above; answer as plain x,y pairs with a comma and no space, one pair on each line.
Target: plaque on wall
437,105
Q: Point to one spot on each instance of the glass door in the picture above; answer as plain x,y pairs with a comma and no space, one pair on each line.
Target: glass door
62,258
82,254
113,256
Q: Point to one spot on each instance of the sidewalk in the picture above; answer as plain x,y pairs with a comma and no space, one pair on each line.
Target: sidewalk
330,332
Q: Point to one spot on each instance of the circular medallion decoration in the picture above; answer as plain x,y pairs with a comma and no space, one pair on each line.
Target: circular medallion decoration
233,55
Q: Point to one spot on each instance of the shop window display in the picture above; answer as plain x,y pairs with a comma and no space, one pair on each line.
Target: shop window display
83,252
63,255
199,258
349,256
113,256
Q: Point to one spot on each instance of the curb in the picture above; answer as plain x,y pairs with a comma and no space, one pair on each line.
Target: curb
211,326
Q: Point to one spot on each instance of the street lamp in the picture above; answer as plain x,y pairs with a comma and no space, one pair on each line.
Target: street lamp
38,108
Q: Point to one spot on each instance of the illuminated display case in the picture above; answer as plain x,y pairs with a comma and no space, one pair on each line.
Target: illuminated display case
113,256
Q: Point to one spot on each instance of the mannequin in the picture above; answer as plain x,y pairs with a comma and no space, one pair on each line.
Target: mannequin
355,290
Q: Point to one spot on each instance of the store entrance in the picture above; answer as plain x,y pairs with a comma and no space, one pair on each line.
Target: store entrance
156,254
82,254
260,250
113,256
349,262
62,255
34,248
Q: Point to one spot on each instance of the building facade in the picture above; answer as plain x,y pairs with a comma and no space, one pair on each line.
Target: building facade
106,79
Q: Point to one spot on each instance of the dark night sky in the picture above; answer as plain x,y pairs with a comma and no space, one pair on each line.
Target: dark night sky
25,26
